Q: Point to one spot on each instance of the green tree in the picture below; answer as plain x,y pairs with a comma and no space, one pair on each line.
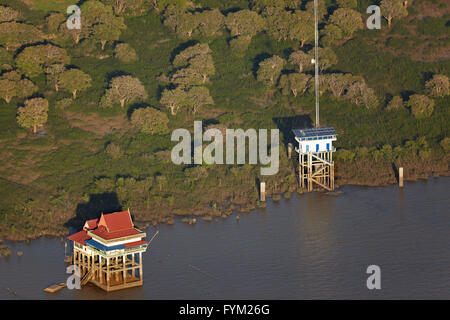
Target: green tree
348,20
74,80
174,99
8,14
294,83
125,53
301,27
393,9
150,120
445,144
352,4
438,86
302,59
337,83
259,5
421,106
99,21
181,97
109,30
198,96
181,22
6,59
131,7
32,61
269,70
359,94
13,85
322,12
210,22
183,58
244,23
396,103
124,90
53,73
196,73
239,44
327,58
331,34
54,21
278,22
13,35
33,114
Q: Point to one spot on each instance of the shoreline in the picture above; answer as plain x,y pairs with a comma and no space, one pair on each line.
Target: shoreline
231,208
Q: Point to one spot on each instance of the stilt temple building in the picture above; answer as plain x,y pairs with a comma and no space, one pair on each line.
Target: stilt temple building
315,150
108,252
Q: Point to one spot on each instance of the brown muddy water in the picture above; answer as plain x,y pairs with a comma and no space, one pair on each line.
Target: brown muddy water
312,246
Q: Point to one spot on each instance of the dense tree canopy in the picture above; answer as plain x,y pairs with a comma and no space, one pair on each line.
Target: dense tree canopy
14,35
33,60
12,85
244,23
348,20
294,83
269,70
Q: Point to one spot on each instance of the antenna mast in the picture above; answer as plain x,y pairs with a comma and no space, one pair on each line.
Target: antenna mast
316,60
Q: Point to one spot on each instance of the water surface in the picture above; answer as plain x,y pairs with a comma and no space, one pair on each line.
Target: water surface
312,246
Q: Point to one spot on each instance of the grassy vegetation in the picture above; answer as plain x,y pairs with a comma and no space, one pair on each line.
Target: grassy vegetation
47,180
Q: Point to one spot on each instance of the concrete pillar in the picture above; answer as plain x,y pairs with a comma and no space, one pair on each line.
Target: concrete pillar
400,177
262,190
132,261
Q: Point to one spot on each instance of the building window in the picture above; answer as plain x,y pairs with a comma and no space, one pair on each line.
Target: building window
317,147
328,147
307,148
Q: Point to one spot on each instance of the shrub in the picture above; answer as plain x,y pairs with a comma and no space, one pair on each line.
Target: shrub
125,53
445,144
438,86
150,120
421,106
113,150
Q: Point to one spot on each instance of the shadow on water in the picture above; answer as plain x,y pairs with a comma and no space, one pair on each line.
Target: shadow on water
98,203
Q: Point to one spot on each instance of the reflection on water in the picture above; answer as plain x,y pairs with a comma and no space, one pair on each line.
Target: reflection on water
311,246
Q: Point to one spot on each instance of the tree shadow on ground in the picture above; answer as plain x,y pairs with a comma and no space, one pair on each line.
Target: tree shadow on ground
287,124
98,203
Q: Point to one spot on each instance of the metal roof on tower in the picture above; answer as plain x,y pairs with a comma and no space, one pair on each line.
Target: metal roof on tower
314,132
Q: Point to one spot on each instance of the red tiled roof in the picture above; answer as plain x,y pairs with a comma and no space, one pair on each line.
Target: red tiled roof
136,243
80,237
104,234
90,224
117,221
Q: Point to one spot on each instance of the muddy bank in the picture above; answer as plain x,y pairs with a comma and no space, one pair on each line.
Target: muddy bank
362,173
